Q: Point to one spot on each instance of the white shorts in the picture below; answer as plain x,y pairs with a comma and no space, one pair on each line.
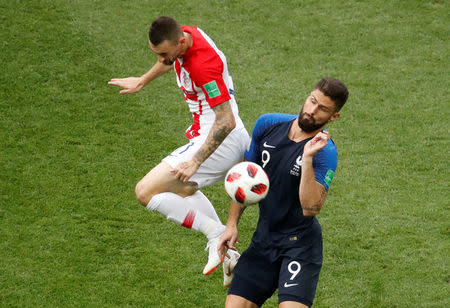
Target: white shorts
214,169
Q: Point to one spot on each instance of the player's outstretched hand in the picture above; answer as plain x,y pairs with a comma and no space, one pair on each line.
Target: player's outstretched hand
316,144
228,240
185,170
129,85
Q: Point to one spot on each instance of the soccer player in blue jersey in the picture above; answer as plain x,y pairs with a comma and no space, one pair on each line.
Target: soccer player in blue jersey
300,159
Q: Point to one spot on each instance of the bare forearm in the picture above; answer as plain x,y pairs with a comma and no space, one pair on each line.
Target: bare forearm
158,69
311,193
231,234
234,214
222,126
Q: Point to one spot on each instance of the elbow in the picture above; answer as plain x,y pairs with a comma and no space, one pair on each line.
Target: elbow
311,203
225,121
227,126
310,213
231,124
311,210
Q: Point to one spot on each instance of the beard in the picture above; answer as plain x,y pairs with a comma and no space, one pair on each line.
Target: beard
169,62
308,124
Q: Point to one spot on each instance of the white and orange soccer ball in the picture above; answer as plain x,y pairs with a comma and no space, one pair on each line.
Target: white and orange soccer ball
247,183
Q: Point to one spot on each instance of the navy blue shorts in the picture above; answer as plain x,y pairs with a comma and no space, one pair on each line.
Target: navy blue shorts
294,271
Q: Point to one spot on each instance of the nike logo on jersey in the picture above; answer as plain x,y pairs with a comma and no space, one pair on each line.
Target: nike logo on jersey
268,146
287,285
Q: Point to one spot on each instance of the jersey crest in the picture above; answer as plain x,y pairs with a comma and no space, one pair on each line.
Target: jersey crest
297,166
186,79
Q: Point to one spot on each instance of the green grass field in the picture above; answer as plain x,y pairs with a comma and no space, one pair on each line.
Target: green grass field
72,233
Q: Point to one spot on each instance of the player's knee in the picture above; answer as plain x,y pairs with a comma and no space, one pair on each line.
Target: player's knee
145,190
188,190
142,194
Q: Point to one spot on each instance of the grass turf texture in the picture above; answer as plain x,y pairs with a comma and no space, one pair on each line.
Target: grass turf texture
72,149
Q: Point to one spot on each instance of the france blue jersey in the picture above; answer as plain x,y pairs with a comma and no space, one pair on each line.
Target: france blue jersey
281,222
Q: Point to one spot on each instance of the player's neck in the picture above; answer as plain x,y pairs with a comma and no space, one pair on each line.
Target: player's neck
296,134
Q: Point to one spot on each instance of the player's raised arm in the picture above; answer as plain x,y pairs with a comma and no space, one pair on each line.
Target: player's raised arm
131,85
312,194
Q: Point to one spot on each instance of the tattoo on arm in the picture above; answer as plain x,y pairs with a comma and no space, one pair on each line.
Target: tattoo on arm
222,126
317,207
313,208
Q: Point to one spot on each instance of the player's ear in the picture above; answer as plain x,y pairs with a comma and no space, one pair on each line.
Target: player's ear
182,40
334,117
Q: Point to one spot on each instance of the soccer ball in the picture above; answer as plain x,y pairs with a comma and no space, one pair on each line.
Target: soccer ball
246,183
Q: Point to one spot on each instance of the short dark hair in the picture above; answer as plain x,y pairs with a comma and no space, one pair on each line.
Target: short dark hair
334,89
164,28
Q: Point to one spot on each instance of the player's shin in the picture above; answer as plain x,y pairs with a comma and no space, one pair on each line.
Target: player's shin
198,201
175,209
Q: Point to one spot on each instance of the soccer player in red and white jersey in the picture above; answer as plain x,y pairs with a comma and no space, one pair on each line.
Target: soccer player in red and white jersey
217,137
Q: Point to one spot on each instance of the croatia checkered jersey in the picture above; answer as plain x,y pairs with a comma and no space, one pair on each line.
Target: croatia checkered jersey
202,74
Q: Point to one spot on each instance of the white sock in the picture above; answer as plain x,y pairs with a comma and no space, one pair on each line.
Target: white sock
201,203
176,209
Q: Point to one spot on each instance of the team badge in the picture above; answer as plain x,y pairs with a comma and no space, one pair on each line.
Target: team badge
212,89
329,176
296,168
186,79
